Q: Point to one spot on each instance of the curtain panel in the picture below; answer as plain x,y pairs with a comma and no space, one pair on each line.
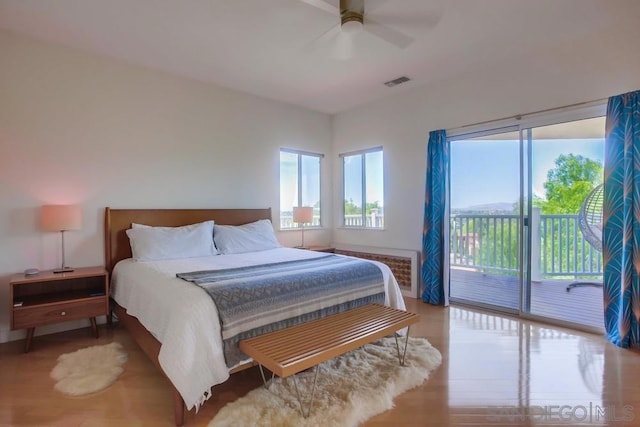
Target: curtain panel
621,223
434,233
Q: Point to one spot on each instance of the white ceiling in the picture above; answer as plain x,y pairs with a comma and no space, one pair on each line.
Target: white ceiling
265,47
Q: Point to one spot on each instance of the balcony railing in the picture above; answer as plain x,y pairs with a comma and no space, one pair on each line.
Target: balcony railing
372,221
490,243
286,221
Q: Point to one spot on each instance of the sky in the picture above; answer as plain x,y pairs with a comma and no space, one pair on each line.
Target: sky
311,184
289,181
374,183
487,171
482,171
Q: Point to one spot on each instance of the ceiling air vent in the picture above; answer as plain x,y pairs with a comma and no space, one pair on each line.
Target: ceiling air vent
396,82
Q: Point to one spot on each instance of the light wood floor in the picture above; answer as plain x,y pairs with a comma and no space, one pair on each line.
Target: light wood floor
494,370
549,298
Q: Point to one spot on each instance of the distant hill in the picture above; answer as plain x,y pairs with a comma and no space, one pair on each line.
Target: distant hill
503,207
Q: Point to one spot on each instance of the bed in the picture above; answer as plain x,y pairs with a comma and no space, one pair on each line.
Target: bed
165,314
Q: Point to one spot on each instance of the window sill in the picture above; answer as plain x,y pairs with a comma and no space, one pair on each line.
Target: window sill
361,228
305,229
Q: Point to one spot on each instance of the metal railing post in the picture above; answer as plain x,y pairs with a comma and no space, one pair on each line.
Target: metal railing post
535,244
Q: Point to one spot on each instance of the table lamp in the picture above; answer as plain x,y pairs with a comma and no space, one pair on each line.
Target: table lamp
302,215
61,218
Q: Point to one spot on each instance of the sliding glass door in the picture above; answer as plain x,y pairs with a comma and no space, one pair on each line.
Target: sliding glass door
567,170
526,218
485,214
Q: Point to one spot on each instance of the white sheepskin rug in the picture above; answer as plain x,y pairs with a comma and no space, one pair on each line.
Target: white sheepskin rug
351,388
89,370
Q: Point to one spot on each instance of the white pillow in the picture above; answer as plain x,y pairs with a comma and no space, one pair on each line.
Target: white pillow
252,237
158,243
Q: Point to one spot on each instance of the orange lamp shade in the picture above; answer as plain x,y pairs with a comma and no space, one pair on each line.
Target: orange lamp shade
61,217
303,215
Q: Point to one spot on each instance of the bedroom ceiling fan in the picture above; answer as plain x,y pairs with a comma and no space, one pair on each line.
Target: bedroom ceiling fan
353,20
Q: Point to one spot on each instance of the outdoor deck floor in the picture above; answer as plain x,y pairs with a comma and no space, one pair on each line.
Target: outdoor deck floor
549,298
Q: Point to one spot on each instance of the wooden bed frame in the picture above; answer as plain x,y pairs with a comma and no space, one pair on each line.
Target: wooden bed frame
117,221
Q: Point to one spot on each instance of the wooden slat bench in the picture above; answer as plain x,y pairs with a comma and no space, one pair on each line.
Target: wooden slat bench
292,350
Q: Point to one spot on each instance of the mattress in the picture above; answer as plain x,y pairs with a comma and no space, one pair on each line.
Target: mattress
184,318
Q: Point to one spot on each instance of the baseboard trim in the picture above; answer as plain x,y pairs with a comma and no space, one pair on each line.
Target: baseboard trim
7,335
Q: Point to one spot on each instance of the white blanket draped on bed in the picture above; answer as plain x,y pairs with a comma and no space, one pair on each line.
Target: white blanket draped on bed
184,318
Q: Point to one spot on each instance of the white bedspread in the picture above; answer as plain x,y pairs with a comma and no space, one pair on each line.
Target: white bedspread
184,318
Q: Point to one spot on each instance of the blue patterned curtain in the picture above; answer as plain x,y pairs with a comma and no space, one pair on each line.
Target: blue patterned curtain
621,232
434,233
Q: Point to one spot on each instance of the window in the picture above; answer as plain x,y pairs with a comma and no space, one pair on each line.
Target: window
299,185
363,188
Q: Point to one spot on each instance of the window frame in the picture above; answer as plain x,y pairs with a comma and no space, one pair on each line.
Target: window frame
363,182
299,154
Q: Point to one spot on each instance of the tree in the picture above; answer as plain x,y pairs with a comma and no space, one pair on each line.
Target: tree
569,183
350,208
372,206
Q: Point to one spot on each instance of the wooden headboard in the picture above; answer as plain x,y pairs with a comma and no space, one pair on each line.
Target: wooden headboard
117,221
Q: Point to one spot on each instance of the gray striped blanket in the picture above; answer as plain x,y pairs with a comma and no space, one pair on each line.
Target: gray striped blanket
258,299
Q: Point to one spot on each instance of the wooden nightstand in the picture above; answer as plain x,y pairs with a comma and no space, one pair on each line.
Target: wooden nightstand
49,297
329,249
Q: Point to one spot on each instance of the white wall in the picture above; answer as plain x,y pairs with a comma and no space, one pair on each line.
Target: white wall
598,66
78,128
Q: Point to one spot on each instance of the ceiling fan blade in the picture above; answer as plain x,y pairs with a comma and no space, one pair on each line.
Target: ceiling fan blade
321,4
324,40
425,19
387,34
344,47
372,5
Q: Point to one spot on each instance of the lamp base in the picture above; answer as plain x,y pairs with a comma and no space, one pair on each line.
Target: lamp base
63,270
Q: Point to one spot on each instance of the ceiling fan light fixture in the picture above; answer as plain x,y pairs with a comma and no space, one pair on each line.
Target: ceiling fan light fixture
351,23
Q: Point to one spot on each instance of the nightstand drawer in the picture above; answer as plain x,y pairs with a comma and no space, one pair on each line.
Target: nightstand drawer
27,317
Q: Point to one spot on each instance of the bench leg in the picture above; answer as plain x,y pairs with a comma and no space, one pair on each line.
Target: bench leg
313,392
295,383
401,359
264,381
